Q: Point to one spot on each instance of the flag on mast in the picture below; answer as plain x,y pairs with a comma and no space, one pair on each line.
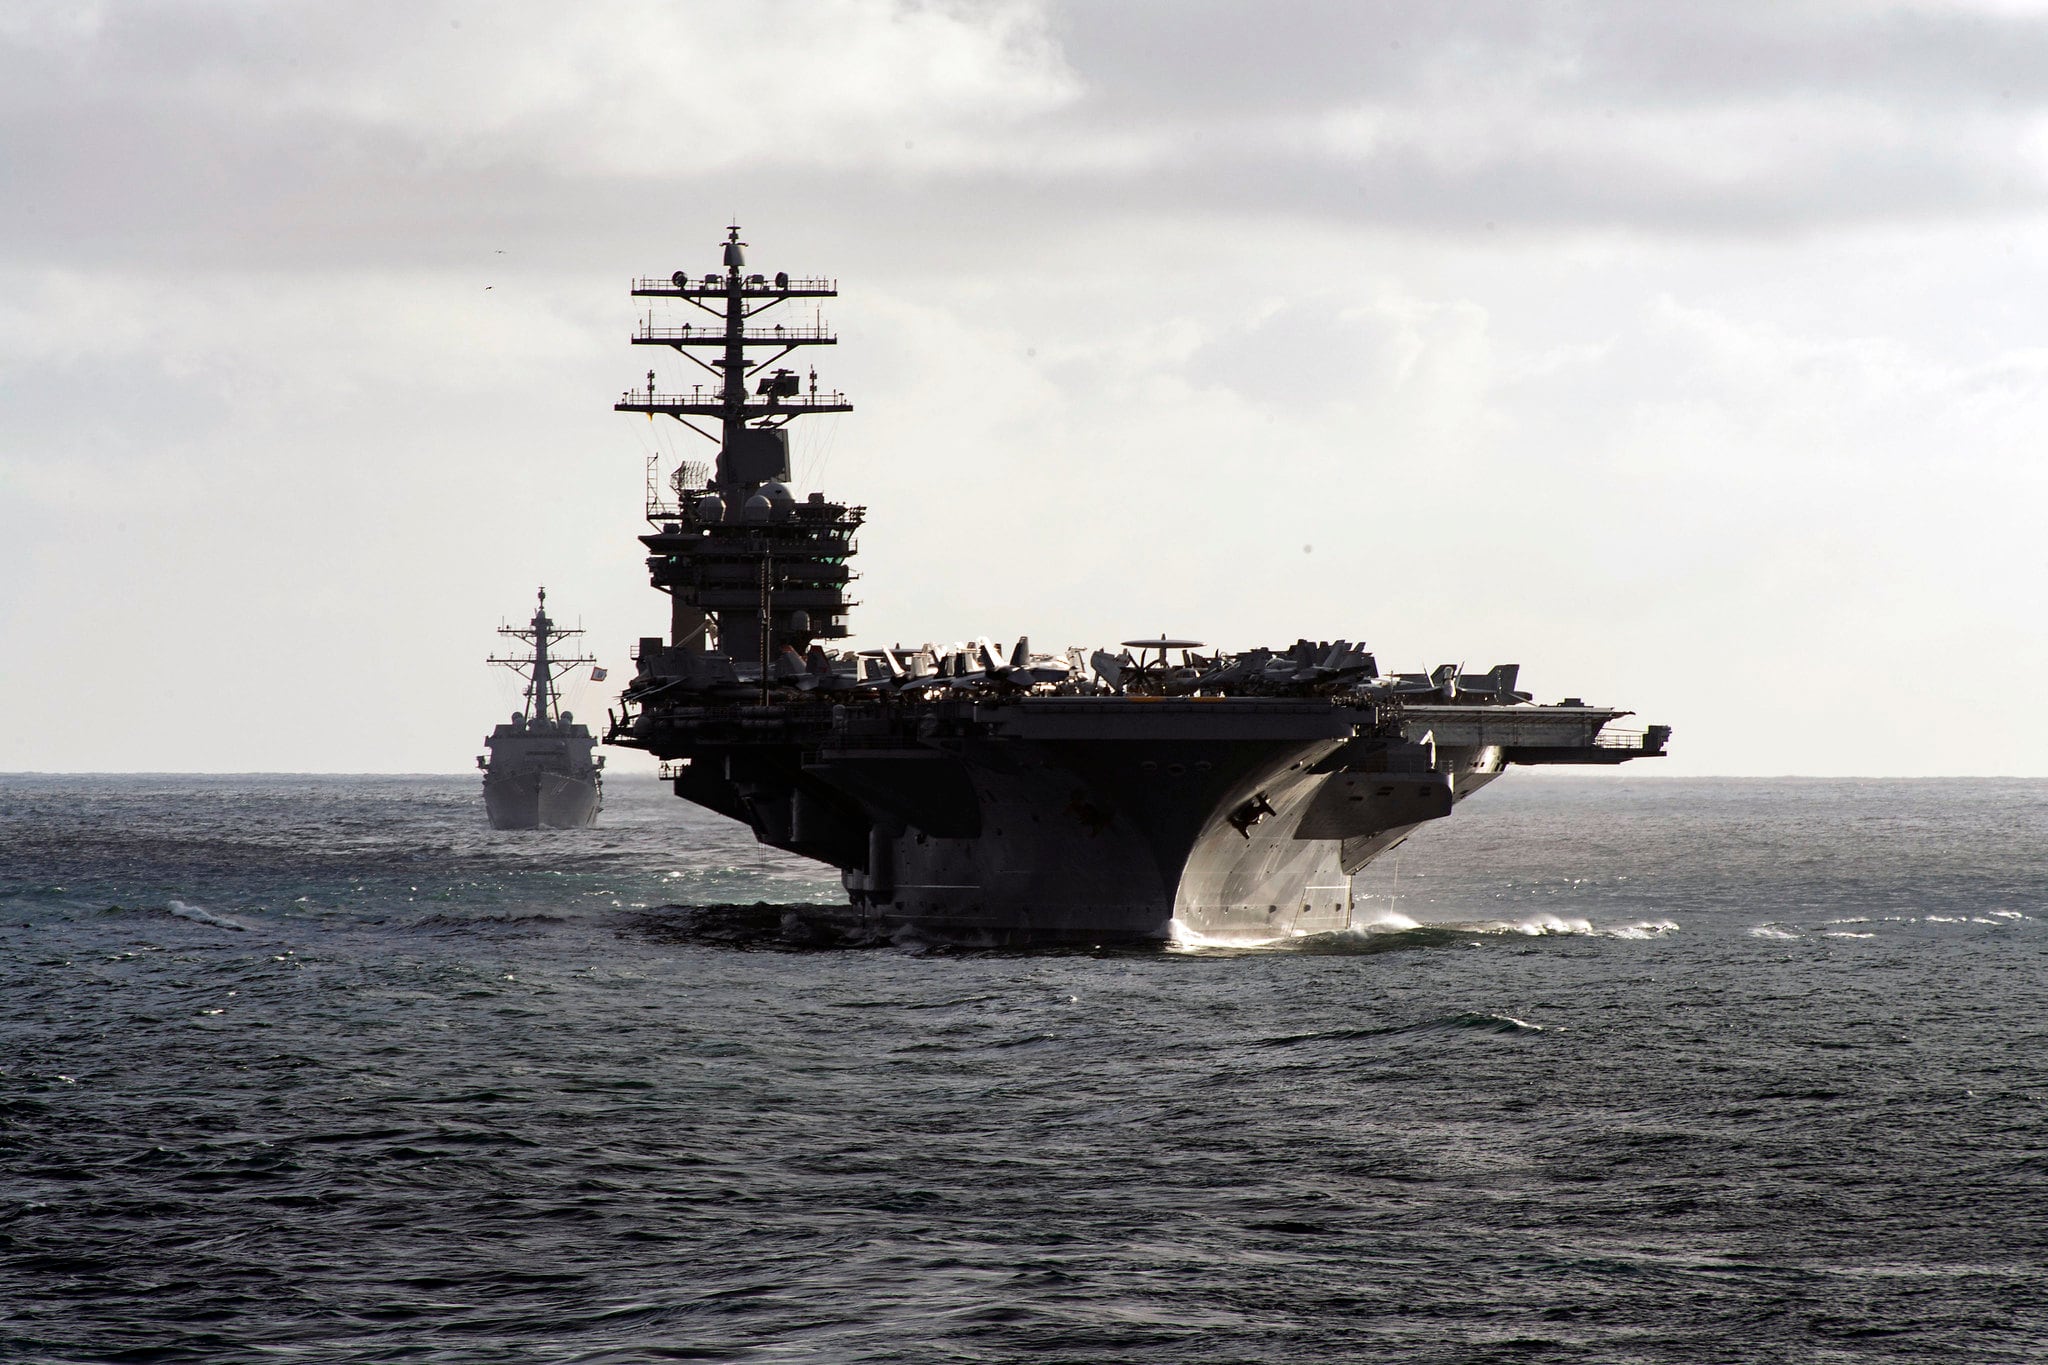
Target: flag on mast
597,675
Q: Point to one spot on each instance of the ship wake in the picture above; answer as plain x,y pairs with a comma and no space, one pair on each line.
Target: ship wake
810,928
1395,932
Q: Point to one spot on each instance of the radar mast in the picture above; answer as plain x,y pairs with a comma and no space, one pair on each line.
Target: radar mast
751,447
542,668
749,570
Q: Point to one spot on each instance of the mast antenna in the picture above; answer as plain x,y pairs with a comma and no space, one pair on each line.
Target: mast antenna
544,667
742,522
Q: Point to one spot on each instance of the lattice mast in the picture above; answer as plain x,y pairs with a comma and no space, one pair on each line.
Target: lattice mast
746,422
747,569
543,667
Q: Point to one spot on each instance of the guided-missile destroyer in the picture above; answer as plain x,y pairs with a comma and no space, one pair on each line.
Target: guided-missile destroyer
539,771
1004,795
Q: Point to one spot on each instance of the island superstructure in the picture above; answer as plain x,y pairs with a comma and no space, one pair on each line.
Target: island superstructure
540,770
995,793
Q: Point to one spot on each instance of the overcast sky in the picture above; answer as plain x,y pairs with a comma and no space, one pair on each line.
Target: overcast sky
1694,357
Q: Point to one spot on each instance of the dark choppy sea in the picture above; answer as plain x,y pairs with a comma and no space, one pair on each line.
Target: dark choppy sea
1623,1069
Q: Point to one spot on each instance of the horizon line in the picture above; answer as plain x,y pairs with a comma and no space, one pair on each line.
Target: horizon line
1563,773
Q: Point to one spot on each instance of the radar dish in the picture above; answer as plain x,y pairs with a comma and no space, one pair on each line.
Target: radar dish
1162,643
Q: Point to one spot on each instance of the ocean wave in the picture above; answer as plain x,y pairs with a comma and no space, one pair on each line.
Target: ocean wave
513,921
1465,1021
763,925
200,915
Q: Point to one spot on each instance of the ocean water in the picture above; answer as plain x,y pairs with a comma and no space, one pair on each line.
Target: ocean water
1614,1068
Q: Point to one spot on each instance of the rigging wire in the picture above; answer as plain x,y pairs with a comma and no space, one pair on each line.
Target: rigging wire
828,442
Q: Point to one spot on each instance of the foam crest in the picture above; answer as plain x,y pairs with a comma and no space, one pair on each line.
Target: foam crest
1471,1021
1391,929
1546,926
1489,1023
1550,924
201,915
1649,928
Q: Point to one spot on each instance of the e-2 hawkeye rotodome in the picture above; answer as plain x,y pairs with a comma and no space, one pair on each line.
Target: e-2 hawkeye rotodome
1011,796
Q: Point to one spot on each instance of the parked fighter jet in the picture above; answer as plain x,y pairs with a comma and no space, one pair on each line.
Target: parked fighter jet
900,669
1109,668
1497,684
823,673
1023,668
1430,684
1446,683
1307,668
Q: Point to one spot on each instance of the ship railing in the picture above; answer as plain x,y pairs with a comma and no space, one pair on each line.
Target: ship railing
688,332
1611,738
716,284
642,398
819,545
809,711
794,546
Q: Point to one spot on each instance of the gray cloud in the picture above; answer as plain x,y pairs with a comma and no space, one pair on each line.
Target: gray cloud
1183,56
230,134
1656,117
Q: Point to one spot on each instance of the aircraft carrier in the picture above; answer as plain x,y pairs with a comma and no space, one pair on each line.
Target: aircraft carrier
539,771
1002,795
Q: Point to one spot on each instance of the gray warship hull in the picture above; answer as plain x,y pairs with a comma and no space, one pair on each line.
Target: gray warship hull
1107,819
541,800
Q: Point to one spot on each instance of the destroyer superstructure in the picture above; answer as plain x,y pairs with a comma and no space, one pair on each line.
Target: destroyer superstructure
1000,793
539,770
